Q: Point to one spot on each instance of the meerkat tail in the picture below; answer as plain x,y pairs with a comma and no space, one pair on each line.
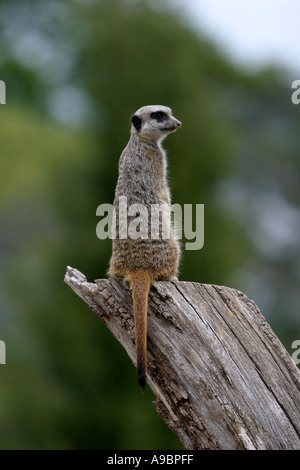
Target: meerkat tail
140,284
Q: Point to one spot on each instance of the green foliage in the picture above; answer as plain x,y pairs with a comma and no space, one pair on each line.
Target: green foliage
67,383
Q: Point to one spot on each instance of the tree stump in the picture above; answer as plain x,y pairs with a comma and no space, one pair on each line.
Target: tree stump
221,377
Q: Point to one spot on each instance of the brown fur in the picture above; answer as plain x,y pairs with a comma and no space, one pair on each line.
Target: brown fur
140,284
142,179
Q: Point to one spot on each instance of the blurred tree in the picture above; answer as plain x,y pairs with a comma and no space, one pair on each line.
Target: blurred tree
67,384
155,58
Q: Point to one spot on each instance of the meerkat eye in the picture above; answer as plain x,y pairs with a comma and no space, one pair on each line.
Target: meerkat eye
158,115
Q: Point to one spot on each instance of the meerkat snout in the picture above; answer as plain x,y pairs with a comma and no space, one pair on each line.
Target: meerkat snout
177,124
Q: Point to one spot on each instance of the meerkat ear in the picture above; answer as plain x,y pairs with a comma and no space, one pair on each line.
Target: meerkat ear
137,122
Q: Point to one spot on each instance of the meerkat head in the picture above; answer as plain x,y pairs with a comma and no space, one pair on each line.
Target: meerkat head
154,122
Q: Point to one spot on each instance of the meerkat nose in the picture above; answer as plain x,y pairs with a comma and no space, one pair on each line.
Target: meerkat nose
178,123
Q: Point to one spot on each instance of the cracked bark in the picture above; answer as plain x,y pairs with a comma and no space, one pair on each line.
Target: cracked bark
221,377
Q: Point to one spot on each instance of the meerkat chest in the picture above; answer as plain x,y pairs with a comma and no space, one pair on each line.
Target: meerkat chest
143,177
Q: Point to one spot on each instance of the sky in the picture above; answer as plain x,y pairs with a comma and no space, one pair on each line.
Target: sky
253,32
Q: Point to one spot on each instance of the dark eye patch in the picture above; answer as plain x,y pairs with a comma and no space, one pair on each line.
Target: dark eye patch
158,115
137,122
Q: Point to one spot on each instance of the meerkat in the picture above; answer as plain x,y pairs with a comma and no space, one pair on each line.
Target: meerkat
142,180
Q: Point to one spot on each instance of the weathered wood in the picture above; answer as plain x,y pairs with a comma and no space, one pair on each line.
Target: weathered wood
221,377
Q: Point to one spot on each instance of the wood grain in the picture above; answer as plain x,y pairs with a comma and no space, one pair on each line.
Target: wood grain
221,377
